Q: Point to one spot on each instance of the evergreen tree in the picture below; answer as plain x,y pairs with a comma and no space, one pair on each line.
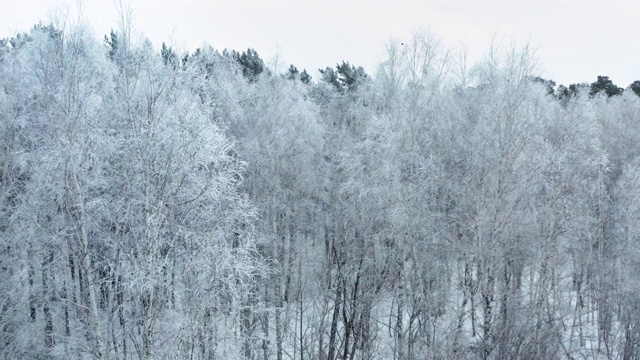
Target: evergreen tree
112,44
305,78
169,56
345,77
548,84
635,87
605,84
293,73
251,63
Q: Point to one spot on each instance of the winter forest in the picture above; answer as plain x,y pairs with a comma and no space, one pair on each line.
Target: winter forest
156,204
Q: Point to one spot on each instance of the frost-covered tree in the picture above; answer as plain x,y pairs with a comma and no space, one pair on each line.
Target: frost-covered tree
155,204
122,215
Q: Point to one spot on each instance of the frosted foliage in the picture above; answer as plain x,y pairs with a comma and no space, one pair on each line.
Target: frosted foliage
163,205
123,212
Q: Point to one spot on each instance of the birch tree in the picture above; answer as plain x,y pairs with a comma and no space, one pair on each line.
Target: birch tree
133,236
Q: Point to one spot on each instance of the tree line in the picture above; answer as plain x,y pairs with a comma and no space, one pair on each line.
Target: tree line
158,205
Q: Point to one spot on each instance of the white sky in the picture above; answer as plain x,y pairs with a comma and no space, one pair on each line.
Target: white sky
576,39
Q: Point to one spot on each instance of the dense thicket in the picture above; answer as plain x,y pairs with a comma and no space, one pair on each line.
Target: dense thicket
158,205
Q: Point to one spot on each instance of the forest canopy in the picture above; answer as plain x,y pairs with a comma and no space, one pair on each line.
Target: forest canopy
165,205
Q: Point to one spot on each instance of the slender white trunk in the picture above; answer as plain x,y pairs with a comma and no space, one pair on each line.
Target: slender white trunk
87,267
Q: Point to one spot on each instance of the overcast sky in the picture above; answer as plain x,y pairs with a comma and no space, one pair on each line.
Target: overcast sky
576,39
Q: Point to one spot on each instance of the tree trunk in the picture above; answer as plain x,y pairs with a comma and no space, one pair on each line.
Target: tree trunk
87,269
333,333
